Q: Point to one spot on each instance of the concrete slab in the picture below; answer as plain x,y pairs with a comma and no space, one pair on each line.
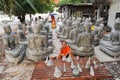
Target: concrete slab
102,57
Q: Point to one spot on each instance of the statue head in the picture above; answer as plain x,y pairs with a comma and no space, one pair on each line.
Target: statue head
69,22
43,21
73,18
87,20
28,22
64,21
83,19
99,21
78,19
70,18
7,29
36,28
117,24
101,25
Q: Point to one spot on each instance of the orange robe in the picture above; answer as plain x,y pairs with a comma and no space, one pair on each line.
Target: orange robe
53,22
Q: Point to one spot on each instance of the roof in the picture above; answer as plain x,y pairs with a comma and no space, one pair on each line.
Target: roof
96,2
80,5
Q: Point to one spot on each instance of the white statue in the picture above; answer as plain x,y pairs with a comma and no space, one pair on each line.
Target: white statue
57,73
87,66
69,59
64,58
46,61
72,65
64,67
92,71
49,63
79,67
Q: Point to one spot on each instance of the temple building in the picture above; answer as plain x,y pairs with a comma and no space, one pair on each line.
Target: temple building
77,10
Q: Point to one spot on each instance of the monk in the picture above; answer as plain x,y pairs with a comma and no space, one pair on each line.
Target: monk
65,50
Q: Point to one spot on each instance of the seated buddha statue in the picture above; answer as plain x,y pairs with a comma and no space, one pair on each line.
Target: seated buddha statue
62,26
47,36
37,45
13,51
21,35
66,30
110,43
98,31
29,28
84,46
73,34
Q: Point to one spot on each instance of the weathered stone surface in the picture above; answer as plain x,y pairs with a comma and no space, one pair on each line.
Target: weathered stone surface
37,45
111,44
13,52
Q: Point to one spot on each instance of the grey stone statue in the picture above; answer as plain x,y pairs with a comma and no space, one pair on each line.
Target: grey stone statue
73,34
110,44
21,35
13,52
62,26
98,31
84,45
47,34
66,30
37,47
28,26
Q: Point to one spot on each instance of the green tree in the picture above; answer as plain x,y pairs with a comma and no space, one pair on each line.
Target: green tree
22,7
73,1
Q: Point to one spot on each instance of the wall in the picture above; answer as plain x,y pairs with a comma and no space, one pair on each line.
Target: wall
114,8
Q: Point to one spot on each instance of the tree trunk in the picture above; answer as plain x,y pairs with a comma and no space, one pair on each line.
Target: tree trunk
21,18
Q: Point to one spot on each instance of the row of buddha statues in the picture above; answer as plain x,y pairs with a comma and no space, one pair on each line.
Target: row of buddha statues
35,45
82,39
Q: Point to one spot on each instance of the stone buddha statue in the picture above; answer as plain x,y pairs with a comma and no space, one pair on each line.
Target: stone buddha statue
98,31
66,30
29,28
21,35
62,26
37,45
84,46
46,34
73,34
110,43
13,51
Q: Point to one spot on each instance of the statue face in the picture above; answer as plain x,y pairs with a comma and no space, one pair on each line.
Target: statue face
7,29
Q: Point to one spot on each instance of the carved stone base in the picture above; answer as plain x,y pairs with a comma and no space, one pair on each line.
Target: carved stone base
70,41
16,59
110,52
82,51
38,55
24,42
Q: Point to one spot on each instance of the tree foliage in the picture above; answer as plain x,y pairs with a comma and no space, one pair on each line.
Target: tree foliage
22,7
73,1
70,2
